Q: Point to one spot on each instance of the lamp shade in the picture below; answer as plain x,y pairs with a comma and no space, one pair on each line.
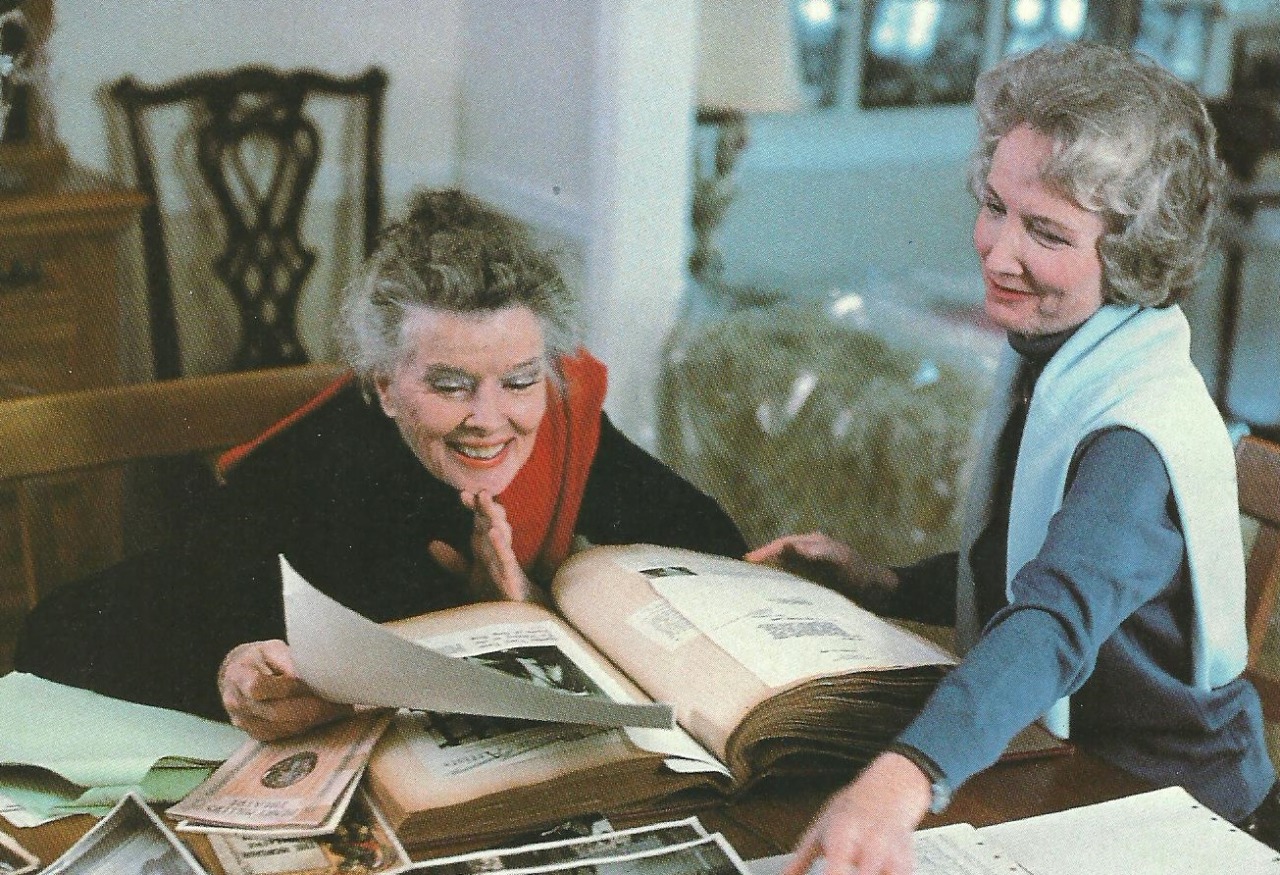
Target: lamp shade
747,56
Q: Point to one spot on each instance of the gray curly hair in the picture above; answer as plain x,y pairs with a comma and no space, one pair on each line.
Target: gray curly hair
1130,142
453,253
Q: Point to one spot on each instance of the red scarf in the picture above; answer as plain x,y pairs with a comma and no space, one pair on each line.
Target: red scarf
543,500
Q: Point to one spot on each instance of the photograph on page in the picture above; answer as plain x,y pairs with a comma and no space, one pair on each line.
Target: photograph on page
358,671
14,858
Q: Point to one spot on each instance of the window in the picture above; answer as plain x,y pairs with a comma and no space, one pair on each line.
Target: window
901,53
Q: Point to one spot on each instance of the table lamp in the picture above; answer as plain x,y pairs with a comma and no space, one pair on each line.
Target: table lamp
747,65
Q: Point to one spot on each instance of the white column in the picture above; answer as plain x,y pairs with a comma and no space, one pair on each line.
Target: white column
639,201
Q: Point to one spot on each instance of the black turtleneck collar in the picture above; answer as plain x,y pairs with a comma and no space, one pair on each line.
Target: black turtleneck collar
1037,349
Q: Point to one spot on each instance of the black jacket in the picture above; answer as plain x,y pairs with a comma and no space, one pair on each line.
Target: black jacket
344,499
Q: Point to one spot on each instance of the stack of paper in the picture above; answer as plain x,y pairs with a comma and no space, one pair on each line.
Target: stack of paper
292,788
1164,832
65,750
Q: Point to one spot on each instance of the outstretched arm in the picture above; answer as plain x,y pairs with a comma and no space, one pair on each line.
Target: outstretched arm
866,828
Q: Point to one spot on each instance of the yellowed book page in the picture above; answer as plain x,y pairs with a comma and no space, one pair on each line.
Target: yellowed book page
717,637
602,595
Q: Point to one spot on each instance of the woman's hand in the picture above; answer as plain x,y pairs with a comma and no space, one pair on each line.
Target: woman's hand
495,575
831,563
866,827
265,697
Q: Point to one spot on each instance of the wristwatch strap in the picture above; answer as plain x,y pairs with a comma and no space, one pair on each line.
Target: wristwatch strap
939,788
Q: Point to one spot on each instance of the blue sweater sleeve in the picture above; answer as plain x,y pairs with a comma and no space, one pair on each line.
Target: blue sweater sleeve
1113,546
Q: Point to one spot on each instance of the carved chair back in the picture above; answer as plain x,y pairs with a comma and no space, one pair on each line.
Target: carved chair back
256,143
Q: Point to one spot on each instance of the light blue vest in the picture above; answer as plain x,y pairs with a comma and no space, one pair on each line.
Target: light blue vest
1126,366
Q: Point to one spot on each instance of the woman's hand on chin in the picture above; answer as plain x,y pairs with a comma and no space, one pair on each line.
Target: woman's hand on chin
264,696
495,575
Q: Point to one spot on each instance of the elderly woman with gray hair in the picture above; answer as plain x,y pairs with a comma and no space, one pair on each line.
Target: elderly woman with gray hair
462,462
1101,557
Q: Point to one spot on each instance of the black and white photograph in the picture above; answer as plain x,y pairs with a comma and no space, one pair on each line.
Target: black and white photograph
14,858
131,840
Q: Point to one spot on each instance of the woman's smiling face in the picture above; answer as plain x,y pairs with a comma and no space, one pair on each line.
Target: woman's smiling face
1039,250
469,393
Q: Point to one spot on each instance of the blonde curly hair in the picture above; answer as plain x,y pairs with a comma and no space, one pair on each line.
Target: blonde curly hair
1130,142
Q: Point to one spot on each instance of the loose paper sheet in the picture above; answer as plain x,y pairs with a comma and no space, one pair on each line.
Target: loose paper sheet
709,854
958,849
348,658
65,751
574,850
1164,832
97,741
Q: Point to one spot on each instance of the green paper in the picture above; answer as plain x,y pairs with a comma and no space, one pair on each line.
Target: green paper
65,750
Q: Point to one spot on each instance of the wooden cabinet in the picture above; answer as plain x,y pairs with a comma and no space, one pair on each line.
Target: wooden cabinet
59,317
59,308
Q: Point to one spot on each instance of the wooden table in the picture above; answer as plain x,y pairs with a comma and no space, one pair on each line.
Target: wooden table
768,820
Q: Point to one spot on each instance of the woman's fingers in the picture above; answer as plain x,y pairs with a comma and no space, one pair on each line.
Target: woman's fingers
449,559
810,546
807,852
866,828
264,696
285,717
494,549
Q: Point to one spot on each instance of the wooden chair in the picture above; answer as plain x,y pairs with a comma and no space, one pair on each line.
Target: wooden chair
61,483
1258,473
234,155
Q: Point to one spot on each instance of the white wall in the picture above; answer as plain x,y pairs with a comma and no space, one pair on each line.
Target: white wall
416,41
576,118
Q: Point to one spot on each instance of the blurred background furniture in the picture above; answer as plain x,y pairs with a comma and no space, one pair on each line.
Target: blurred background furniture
1248,123
237,155
58,285
1258,472
53,529
848,413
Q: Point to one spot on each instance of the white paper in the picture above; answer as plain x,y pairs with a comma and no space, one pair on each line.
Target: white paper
348,658
784,628
958,849
711,854
1164,832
